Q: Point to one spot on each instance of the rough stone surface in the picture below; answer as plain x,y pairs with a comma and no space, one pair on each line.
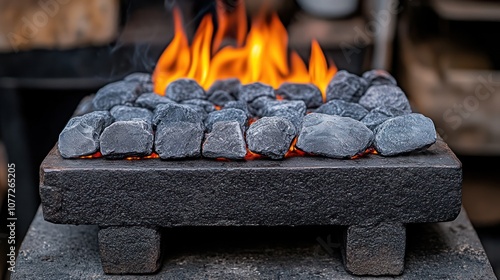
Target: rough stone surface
207,106
385,95
127,138
346,86
237,105
257,107
127,113
449,250
226,115
118,93
404,134
333,136
80,137
130,250
253,91
374,249
225,141
178,140
271,137
382,189
171,112
151,100
294,111
379,115
343,109
220,97
143,79
379,77
309,93
231,86
184,89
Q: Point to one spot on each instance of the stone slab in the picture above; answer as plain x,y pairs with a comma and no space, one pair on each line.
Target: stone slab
421,187
448,250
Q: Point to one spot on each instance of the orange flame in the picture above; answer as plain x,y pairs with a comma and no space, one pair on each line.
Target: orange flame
96,155
294,151
261,56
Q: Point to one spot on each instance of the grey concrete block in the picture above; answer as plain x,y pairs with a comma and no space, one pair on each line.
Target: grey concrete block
374,249
130,250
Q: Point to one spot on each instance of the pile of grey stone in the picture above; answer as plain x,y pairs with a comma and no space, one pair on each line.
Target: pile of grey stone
128,119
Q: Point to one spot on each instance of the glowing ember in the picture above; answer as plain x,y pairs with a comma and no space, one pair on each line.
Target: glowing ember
369,151
96,155
294,151
261,55
151,156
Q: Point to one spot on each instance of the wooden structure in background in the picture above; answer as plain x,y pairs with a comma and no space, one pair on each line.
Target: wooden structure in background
61,24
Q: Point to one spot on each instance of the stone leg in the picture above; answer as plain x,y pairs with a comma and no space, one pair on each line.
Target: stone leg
130,250
374,249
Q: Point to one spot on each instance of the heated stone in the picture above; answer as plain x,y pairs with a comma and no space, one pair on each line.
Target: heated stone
346,86
171,112
226,115
207,106
142,78
293,111
309,93
343,109
271,137
379,77
257,107
127,113
80,137
404,134
225,141
127,138
333,136
220,97
199,110
177,140
184,89
253,91
231,86
119,93
379,115
385,95
151,100
237,105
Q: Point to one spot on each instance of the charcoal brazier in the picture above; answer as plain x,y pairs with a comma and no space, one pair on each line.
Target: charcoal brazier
382,194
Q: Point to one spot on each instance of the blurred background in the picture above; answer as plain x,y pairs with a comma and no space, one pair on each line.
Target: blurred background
443,53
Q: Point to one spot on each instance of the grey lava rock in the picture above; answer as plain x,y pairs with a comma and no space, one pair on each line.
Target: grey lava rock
151,100
333,136
171,112
404,134
293,111
271,137
385,95
231,86
225,115
258,107
127,138
127,113
178,140
142,78
80,137
207,106
237,105
220,97
118,93
184,89
225,141
379,77
379,115
309,93
343,109
346,86
253,91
